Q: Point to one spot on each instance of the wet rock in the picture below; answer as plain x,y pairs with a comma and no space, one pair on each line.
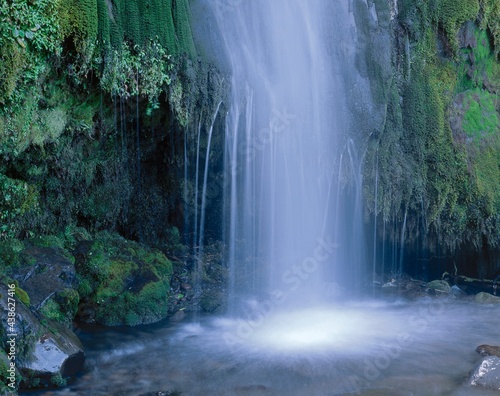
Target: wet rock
439,286
486,298
487,373
122,282
488,350
466,36
178,316
50,272
45,352
457,292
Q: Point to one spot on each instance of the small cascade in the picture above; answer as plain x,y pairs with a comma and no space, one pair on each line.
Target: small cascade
374,275
196,186
138,153
402,243
200,242
205,180
382,270
356,241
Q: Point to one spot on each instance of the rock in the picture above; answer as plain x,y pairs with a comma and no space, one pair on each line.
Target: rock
46,353
50,273
457,292
488,350
486,298
466,36
121,282
439,286
487,373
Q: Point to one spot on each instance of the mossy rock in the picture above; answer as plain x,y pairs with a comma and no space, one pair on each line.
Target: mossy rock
122,282
486,298
62,306
439,286
10,253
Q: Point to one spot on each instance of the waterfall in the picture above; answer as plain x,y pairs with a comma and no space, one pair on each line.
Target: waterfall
205,180
285,136
375,221
402,243
197,171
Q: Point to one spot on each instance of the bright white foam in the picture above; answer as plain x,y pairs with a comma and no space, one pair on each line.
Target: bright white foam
325,330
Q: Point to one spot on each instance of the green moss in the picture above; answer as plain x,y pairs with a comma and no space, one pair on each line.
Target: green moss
488,178
490,19
62,307
78,20
453,13
10,253
124,282
181,19
51,241
481,118
57,380
16,198
12,64
22,296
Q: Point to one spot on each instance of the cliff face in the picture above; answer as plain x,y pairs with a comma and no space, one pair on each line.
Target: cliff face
102,103
97,99
431,171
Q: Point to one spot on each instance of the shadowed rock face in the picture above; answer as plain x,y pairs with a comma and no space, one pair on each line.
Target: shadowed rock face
43,350
50,273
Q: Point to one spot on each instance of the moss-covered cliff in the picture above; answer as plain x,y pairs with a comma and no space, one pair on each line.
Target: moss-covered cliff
90,92
431,171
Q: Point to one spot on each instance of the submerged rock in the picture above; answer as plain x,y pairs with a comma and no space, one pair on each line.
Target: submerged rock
487,373
486,298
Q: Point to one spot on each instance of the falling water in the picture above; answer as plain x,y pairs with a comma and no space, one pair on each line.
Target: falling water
402,243
284,138
205,181
375,221
197,172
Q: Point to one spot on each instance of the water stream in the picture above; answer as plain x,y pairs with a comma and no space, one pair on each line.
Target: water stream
370,347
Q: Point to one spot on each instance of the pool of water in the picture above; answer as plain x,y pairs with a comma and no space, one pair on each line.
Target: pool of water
368,348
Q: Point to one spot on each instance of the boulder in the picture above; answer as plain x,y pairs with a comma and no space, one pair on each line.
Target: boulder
49,272
47,353
486,298
439,286
488,350
121,282
487,373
